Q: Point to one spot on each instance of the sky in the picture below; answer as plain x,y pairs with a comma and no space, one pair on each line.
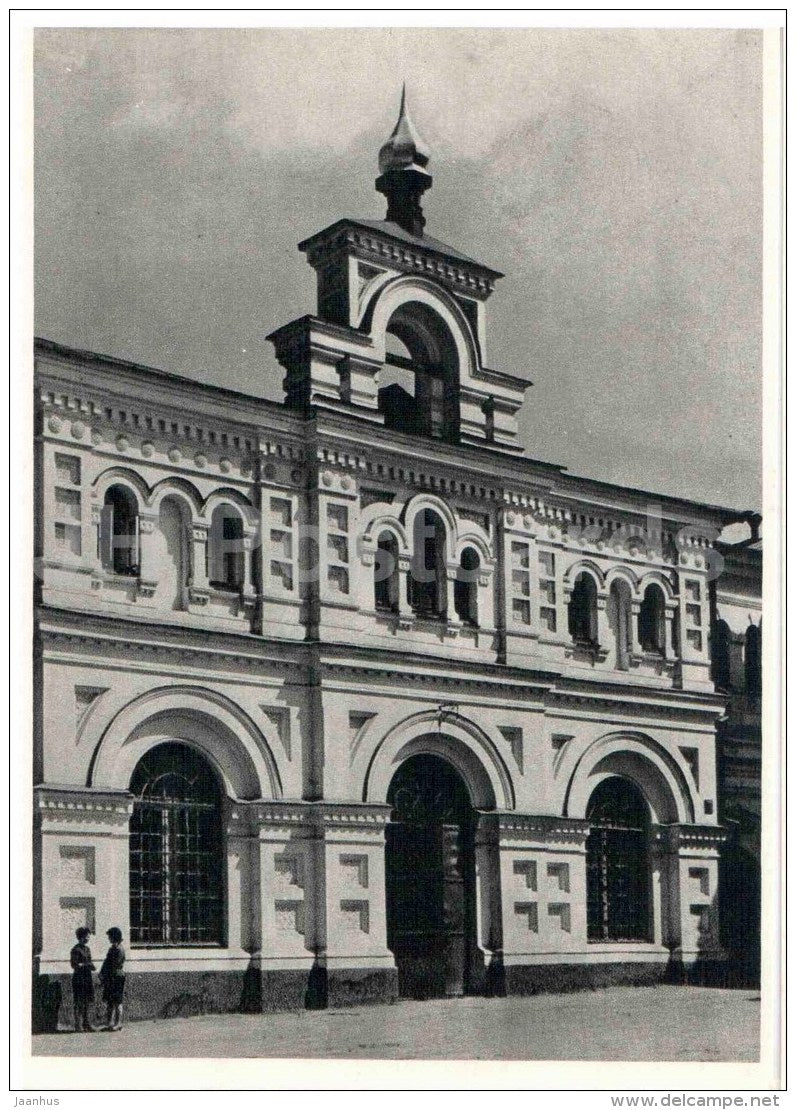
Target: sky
614,176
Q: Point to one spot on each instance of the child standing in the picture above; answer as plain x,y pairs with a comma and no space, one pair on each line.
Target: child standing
82,982
112,979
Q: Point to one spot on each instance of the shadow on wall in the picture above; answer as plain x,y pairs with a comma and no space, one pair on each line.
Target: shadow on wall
46,1003
715,966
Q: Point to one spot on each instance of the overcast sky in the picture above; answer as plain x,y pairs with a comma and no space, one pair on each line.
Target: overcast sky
614,176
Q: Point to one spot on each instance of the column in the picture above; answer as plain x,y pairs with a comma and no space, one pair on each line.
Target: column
604,634
249,592
198,583
351,841
404,570
543,891
635,609
696,850
284,904
451,574
147,572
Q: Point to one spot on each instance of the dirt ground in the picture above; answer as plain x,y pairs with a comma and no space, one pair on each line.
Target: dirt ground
619,1023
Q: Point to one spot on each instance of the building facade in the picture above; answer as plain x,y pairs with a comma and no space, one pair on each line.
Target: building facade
345,698
737,672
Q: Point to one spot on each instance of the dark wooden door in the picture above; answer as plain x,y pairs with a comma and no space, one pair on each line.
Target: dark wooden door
430,880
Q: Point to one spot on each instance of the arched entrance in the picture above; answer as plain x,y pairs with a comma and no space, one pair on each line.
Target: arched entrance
431,879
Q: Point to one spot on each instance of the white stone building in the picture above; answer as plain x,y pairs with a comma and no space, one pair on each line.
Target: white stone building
345,697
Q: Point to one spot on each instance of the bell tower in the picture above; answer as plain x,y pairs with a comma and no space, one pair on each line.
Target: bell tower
382,281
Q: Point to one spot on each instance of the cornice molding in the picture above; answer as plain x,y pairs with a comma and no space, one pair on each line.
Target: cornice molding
79,805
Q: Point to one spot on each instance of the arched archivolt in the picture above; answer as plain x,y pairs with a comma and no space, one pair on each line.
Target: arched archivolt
204,719
660,776
655,578
121,476
180,488
467,746
572,572
387,299
372,524
622,574
228,496
478,544
436,505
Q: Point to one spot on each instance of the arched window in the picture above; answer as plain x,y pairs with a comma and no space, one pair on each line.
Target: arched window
172,553
225,553
652,621
119,531
617,863
419,384
465,588
583,610
385,573
752,662
620,621
428,577
176,850
720,655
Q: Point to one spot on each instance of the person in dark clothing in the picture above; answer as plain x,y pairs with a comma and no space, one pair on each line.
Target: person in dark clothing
112,979
82,982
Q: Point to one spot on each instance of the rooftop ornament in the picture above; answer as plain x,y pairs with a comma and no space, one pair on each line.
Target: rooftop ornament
403,176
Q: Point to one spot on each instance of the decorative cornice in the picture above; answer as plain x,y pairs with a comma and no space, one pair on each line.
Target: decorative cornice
540,827
685,837
312,816
80,805
380,247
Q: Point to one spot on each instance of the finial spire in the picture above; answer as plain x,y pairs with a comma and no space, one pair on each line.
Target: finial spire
403,176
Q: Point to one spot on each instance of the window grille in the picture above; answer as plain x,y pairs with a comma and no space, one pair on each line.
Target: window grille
176,861
617,863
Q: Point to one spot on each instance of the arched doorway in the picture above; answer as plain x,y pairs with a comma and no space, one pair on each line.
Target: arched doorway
431,879
176,850
618,863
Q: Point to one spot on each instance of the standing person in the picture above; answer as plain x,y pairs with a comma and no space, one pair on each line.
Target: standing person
112,979
82,982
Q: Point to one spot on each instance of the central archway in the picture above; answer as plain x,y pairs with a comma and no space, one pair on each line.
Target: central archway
431,919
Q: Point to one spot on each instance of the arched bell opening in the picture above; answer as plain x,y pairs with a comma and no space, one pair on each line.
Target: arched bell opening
430,862
419,386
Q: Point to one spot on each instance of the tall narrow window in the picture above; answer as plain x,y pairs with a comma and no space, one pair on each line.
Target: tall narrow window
225,549
617,863
620,621
119,531
720,655
465,588
385,573
428,576
583,611
176,858
652,621
752,663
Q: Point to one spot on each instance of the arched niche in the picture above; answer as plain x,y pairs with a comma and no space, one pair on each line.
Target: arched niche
451,737
644,762
207,721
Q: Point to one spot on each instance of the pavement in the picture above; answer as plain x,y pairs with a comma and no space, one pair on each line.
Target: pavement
665,1023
